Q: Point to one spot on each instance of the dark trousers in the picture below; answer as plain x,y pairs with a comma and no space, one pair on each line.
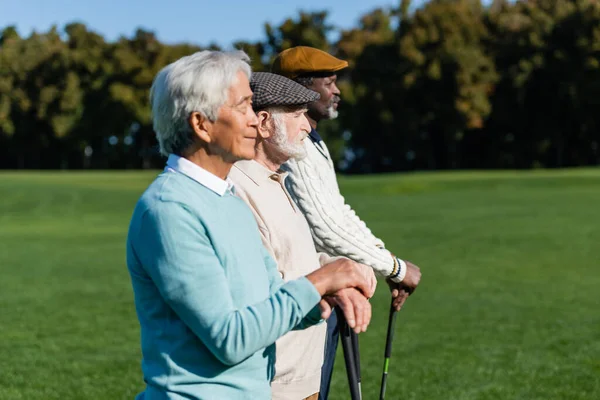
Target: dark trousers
331,344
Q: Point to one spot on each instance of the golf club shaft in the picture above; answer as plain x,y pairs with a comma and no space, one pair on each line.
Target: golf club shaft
356,350
388,349
349,356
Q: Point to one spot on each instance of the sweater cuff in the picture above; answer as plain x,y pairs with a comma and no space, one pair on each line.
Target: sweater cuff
399,274
403,269
304,293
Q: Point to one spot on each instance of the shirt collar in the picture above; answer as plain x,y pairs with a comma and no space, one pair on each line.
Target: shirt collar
314,136
199,174
258,173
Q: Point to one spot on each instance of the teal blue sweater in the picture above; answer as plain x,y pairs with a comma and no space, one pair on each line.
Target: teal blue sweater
208,296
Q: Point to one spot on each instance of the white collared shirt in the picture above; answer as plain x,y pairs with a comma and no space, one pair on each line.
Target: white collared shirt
183,166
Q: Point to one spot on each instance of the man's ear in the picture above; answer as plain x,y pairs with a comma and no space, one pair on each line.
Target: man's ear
201,126
264,124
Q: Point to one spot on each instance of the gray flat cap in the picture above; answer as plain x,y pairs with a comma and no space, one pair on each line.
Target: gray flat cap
272,90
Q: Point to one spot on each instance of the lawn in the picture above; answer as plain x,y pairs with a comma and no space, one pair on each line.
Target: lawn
508,308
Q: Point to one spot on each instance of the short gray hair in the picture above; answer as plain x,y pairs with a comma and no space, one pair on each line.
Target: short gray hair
195,83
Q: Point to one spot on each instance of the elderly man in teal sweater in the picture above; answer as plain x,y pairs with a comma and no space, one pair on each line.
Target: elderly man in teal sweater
209,298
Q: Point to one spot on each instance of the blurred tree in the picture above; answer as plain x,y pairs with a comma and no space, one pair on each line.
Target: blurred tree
372,58
44,97
420,94
10,45
134,63
10,48
374,29
309,29
257,52
548,52
446,77
87,60
451,84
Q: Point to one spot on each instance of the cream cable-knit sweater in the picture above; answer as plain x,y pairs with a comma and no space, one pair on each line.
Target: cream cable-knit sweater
335,227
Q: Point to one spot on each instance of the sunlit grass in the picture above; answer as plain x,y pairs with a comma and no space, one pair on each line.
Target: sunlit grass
507,309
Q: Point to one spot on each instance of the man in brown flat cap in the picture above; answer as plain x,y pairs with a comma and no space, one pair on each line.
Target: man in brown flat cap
335,227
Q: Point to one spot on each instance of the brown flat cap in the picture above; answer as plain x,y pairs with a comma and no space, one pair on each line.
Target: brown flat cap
303,60
271,90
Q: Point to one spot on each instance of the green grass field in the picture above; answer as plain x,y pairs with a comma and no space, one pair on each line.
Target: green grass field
508,308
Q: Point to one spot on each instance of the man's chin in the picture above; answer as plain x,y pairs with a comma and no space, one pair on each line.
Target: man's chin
245,155
332,113
299,156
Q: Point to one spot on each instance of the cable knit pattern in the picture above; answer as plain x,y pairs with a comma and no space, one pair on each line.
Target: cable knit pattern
335,227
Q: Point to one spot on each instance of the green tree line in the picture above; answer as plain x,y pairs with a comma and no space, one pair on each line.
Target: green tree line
450,84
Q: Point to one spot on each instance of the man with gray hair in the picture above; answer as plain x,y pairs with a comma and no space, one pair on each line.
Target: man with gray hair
208,296
280,104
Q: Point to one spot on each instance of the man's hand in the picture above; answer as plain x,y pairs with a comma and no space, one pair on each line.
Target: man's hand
369,275
341,274
356,308
399,294
401,291
412,278
326,308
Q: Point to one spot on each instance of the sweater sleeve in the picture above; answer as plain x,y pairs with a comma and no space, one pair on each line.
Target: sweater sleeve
334,229
350,216
169,244
275,281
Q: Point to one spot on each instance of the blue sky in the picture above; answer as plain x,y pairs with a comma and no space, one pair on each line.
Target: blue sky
200,22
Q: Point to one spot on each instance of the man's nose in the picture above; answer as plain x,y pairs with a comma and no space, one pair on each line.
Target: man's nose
253,119
305,126
336,90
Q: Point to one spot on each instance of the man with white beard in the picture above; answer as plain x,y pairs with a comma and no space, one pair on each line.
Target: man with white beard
280,105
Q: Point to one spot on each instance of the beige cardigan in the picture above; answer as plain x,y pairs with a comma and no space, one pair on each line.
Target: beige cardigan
285,233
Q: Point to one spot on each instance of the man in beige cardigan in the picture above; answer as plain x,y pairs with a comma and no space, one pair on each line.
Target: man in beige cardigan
280,105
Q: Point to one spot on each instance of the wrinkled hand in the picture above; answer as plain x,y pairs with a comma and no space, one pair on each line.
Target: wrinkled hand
326,308
356,308
341,274
369,276
401,291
